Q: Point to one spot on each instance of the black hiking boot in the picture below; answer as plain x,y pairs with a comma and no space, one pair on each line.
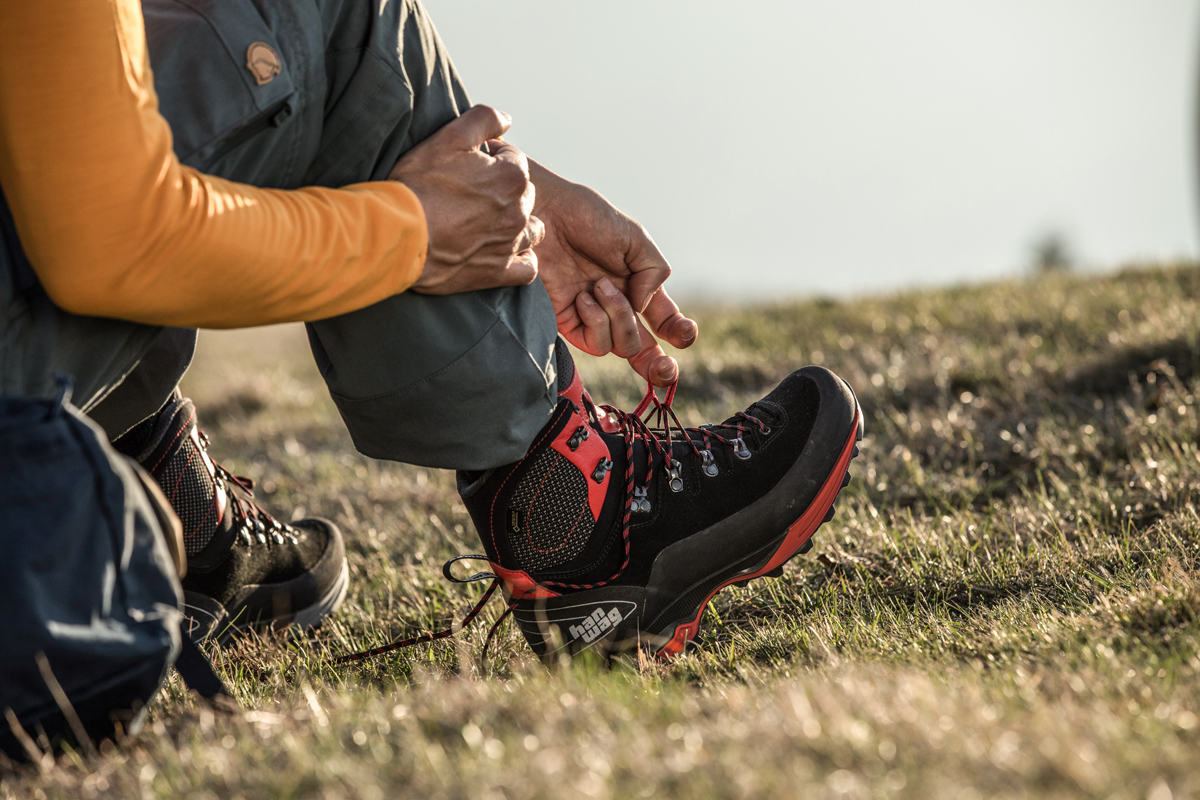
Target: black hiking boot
613,533
244,568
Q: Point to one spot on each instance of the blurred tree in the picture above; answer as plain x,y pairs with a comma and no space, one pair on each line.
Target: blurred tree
1052,252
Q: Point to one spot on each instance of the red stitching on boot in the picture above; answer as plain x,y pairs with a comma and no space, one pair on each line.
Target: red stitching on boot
177,435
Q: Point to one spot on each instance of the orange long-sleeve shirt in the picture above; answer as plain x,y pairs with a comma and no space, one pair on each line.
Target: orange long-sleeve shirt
115,226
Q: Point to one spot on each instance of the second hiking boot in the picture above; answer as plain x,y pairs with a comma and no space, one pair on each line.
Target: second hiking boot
244,568
613,533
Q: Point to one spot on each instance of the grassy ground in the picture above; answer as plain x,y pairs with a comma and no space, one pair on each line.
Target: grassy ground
1007,603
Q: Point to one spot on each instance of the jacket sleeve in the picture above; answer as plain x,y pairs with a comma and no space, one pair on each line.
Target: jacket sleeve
115,226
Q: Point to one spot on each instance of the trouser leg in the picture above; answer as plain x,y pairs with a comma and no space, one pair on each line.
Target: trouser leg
463,381
149,385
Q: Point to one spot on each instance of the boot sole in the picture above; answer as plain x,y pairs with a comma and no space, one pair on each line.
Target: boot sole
661,620
208,619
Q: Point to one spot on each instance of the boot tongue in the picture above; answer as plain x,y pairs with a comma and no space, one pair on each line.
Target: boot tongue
570,385
766,411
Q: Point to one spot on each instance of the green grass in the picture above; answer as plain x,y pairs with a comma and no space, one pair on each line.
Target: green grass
1007,603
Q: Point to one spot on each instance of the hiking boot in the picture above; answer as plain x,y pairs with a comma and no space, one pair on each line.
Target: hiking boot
614,533
244,567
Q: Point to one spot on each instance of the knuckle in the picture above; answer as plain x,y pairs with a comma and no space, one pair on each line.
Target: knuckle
514,181
514,222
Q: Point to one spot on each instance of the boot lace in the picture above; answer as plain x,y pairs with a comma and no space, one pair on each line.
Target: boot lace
656,425
251,523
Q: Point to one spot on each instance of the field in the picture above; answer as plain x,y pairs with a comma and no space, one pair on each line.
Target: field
1007,603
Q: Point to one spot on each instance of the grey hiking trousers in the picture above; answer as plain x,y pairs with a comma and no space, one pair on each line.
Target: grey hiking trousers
463,381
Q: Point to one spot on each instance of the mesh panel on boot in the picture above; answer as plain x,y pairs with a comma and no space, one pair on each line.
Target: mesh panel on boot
189,486
549,520
167,445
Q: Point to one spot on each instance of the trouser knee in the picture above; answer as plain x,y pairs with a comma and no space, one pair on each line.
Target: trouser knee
461,382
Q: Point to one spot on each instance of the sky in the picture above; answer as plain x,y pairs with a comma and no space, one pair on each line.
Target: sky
844,147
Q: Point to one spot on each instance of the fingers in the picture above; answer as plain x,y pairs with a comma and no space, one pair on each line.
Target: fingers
652,363
621,320
667,322
479,125
535,231
500,149
648,358
597,335
521,270
647,265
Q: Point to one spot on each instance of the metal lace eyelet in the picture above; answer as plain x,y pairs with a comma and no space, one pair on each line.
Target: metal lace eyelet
262,539
709,463
578,437
766,430
602,469
640,502
740,450
276,537
291,537
258,526
675,479
245,536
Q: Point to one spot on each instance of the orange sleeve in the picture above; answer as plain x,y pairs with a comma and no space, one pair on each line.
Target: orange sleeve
115,226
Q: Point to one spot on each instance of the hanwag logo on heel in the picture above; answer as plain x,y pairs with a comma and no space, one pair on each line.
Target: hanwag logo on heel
595,625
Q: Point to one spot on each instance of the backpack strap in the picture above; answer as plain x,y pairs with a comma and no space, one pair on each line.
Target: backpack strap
197,673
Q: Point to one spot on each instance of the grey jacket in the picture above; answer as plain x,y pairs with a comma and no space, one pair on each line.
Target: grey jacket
356,88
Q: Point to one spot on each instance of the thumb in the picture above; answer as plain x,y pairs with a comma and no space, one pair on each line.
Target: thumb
477,126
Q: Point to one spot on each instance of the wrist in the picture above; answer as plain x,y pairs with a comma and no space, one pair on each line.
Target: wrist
548,187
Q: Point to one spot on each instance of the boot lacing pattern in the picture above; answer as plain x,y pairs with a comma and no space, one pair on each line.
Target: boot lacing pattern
651,423
251,523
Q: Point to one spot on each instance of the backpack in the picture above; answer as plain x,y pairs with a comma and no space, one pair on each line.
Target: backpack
90,600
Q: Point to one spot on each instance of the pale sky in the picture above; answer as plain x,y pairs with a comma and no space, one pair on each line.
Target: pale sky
786,147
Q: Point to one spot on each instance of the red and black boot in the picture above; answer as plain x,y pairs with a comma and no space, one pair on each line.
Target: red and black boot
615,533
244,567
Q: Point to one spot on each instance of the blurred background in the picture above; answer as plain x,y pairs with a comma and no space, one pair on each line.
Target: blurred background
787,147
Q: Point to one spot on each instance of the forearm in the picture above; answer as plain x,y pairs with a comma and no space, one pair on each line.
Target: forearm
221,255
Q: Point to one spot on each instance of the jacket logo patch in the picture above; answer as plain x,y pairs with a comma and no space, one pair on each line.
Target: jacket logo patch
263,62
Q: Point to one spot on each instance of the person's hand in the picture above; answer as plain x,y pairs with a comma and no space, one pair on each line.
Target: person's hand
478,206
601,270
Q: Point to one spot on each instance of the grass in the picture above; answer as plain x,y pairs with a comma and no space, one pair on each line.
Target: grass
1007,603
